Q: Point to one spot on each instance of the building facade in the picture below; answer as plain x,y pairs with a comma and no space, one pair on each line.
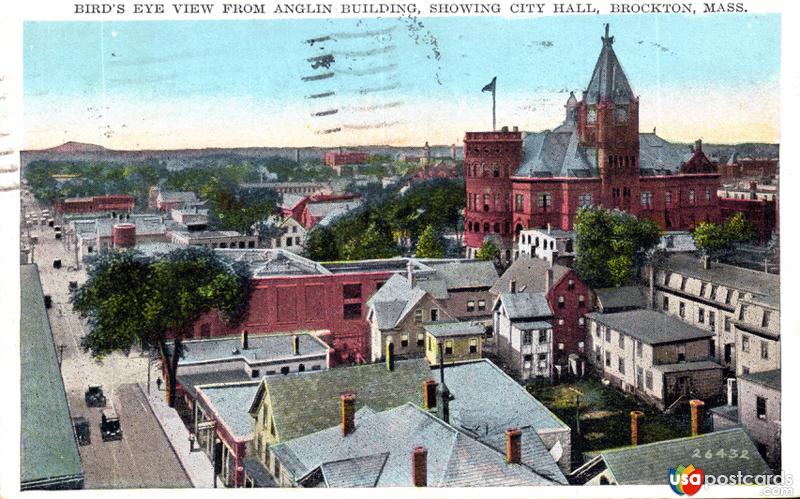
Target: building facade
597,157
523,332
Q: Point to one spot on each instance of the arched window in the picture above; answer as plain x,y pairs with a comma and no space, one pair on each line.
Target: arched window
495,170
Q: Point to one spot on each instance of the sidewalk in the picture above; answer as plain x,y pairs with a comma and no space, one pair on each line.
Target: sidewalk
197,465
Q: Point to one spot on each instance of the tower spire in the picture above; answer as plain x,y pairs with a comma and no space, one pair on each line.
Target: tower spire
607,40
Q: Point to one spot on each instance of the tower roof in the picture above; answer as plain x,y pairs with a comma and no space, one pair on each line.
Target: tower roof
608,79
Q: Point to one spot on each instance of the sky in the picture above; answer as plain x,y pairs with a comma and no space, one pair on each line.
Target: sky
193,84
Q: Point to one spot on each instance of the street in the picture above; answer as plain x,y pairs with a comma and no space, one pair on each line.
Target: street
144,457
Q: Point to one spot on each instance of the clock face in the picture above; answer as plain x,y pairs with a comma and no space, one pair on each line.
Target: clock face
621,115
591,115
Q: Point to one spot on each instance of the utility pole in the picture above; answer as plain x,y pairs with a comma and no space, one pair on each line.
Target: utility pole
578,395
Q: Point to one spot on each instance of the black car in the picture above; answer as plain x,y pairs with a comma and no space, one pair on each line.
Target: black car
94,396
82,432
109,426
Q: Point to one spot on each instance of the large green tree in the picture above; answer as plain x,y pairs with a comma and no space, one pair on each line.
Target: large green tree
133,299
488,251
238,208
321,245
430,244
611,246
718,240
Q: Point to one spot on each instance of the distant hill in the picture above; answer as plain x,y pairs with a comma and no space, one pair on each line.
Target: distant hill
181,158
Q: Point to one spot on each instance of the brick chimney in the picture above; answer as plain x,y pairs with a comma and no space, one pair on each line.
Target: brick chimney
513,446
419,466
635,415
695,405
245,342
390,356
698,145
410,273
706,262
429,394
348,413
295,345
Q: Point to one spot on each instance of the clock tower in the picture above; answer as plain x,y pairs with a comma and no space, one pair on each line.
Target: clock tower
608,122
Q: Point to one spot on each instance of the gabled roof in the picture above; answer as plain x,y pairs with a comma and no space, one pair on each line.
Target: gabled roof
608,79
453,329
230,404
379,453
373,385
394,301
649,463
529,274
462,274
522,306
651,327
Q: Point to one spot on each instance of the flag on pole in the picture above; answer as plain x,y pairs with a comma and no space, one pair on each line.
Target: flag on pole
490,86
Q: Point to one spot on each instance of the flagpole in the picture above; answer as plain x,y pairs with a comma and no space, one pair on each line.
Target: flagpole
494,123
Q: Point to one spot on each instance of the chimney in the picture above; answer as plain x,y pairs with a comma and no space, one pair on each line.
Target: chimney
635,415
706,262
504,129
410,273
651,278
512,287
695,405
442,393
698,145
429,394
513,446
731,391
753,189
549,227
295,345
419,466
244,339
390,356
348,413
516,129
548,279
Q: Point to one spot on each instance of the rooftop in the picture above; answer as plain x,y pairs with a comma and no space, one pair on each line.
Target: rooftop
701,365
758,283
230,404
273,262
394,301
379,452
261,348
49,452
648,463
453,329
463,274
626,297
529,275
650,327
770,379
190,382
373,384
520,306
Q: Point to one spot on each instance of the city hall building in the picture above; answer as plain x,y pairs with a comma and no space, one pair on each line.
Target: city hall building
519,180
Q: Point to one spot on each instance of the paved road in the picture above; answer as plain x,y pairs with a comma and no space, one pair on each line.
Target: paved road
142,459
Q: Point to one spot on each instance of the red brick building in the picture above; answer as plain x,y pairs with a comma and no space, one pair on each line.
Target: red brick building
761,213
738,167
291,293
517,180
338,158
97,204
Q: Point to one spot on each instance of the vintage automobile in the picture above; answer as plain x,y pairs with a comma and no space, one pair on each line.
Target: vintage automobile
109,426
82,432
94,396
73,286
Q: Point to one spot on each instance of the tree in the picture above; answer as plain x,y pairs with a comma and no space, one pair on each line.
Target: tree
611,246
377,242
130,299
236,208
488,251
321,245
430,244
717,240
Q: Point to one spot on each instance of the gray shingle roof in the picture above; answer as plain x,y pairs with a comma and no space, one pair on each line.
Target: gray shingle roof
608,78
260,348
487,400
451,329
626,297
230,403
394,301
770,379
463,274
273,262
651,327
759,283
529,274
525,305
649,463
530,325
189,382
258,473
49,452
454,459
